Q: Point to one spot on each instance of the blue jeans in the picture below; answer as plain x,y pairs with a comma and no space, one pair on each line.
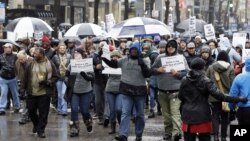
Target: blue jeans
61,103
152,96
82,101
115,106
5,85
127,106
99,99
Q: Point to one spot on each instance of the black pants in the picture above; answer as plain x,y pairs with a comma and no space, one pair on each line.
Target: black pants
243,115
38,108
219,117
192,136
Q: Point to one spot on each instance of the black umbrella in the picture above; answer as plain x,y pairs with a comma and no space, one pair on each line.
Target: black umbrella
28,25
184,25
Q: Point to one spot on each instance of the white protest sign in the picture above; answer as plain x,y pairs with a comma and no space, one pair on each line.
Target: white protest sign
110,21
105,51
109,70
85,65
209,31
173,62
170,22
239,39
192,26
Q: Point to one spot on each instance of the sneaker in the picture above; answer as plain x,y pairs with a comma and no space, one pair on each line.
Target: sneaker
16,111
138,139
41,135
2,113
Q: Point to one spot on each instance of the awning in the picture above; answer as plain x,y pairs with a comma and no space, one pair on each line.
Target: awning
16,13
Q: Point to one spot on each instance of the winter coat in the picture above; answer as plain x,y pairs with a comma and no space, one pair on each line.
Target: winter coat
7,63
194,92
226,73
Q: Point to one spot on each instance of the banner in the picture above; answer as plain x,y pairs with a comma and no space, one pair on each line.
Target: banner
209,31
173,62
85,65
109,70
192,26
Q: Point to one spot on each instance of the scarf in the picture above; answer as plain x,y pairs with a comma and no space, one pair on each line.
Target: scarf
48,69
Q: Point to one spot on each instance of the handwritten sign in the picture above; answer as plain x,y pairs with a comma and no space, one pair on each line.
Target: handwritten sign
105,51
85,65
173,62
192,26
209,31
109,70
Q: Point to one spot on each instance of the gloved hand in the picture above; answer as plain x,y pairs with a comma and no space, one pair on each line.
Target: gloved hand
83,74
44,83
22,95
243,99
141,61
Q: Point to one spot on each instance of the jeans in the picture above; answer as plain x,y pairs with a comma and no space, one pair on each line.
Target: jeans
115,106
99,99
152,95
61,103
82,101
127,105
5,85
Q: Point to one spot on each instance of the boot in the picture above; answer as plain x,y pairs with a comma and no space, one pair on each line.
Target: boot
88,124
151,114
113,126
74,128
106,122
167,137
159,113
216,137
121,138
177,137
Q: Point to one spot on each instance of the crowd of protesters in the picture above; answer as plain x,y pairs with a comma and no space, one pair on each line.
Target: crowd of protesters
190,99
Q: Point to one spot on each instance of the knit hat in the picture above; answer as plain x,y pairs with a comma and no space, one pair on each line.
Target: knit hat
197,64
204,49
153,55
45,39
115,53
162,44
79,50
191,45
223,56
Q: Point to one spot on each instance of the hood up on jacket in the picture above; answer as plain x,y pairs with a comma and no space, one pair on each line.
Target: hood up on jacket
172,43
135,45
247,64
221,66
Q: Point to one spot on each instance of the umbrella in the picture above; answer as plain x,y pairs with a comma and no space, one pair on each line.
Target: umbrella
85,29
184,25
65,24
186,34
138,25
28,25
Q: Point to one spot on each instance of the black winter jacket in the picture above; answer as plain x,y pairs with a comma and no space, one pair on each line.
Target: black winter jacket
194,91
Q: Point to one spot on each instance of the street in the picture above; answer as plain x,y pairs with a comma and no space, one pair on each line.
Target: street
57,129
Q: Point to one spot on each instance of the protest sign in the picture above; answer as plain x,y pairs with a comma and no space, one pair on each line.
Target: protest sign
209,31
173,62
192,26
105,51
85,65
109,70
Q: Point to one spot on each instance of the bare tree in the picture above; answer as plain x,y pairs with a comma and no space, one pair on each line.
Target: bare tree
167,2
126,10
96,11
178,13
211,11
151,7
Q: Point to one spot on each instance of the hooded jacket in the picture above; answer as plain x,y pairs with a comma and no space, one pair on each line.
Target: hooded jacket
194,92
166,81
241,85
